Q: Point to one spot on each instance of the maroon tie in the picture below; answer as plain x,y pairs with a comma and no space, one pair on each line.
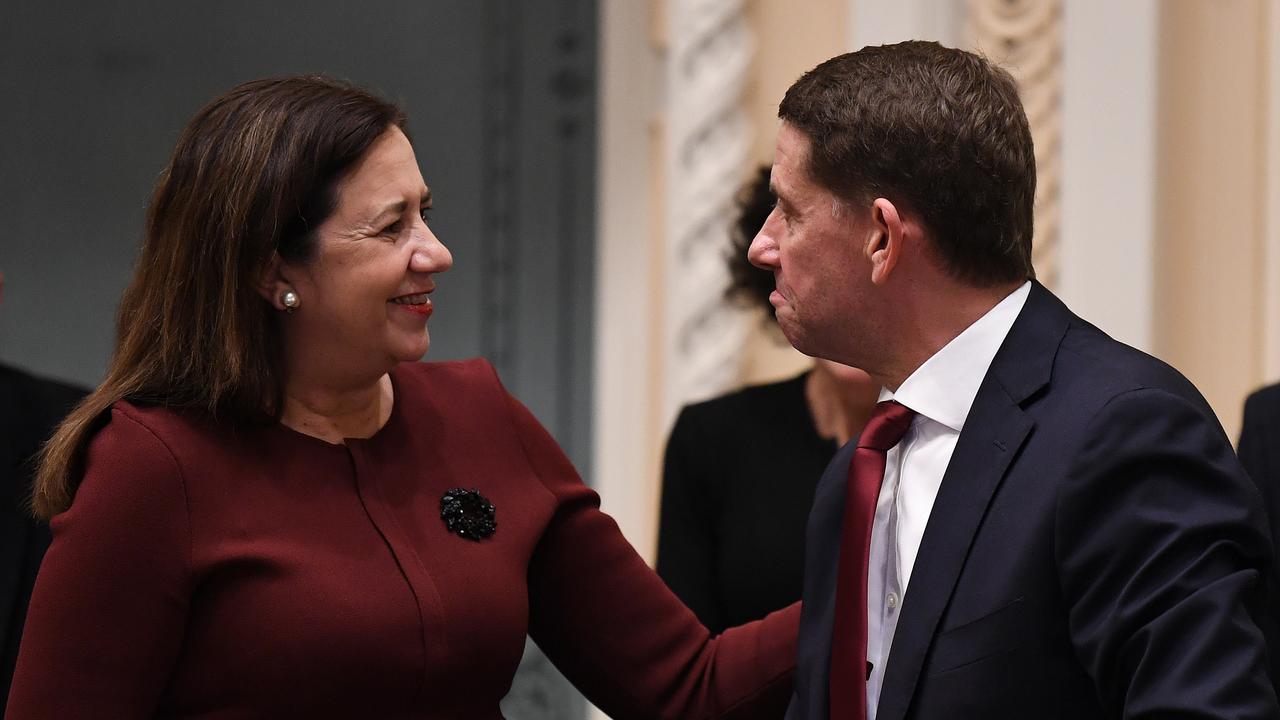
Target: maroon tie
849,667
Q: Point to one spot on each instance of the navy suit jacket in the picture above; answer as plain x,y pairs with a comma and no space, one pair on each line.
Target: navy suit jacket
1095,550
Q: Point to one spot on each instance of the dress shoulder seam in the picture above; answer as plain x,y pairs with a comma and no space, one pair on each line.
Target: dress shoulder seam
177,466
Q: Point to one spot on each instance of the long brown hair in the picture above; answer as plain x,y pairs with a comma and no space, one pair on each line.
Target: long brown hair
253,174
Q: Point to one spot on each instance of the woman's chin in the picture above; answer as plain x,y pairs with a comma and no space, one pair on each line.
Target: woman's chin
413,351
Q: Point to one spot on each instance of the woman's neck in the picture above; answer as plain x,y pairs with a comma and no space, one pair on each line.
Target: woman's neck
333,413
839,406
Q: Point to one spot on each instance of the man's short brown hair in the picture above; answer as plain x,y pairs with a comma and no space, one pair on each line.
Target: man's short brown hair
937,130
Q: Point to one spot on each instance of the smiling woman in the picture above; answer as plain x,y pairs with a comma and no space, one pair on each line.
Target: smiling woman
271,509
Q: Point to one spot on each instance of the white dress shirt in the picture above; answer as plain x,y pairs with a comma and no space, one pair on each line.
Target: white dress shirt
940,391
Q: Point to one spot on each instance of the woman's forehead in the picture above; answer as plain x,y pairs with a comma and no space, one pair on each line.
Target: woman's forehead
386,177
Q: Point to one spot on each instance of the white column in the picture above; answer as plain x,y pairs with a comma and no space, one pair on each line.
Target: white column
880,22
630,75
707,150
1107,253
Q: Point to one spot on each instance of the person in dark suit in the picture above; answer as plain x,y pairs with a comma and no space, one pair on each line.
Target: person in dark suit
30,408
1259,450
1037,521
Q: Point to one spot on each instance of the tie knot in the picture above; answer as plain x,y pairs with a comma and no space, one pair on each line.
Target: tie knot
886,426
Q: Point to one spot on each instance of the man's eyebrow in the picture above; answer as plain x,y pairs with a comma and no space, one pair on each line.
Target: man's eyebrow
778,198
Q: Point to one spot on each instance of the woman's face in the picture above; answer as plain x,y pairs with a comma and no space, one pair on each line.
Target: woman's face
363,294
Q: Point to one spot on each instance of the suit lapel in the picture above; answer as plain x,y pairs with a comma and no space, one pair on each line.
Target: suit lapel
992,437
994,432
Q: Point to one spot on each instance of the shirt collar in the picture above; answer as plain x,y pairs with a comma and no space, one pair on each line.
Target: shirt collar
944,387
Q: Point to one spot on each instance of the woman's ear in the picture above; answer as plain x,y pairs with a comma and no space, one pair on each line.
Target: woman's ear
272,285
885,246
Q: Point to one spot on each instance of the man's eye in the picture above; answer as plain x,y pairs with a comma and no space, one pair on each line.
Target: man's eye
426,215
392,229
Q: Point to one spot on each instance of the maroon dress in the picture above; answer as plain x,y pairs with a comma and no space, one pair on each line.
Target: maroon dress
207,571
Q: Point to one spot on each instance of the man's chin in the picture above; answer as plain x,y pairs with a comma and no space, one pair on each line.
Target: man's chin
794,335
807,343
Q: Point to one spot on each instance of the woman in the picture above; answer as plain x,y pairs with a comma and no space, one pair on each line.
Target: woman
740,470
270,509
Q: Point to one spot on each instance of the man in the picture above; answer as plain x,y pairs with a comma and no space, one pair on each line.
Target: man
1055,524
30,408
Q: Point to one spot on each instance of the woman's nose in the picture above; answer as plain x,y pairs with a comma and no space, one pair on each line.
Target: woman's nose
431,256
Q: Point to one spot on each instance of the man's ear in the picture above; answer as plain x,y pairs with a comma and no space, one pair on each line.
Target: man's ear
887,242
272,285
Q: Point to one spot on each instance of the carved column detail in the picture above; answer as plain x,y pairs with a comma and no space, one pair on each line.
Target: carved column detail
707,143
1025,37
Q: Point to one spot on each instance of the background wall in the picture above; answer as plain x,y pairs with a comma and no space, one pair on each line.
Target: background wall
1210,265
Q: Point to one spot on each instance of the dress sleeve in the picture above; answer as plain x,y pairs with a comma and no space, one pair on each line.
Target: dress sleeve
687,523
1162,551
618,633
106,616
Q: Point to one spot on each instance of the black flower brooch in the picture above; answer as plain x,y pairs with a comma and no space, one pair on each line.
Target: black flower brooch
468,513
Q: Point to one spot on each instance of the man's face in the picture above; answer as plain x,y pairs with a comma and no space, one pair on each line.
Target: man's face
814,245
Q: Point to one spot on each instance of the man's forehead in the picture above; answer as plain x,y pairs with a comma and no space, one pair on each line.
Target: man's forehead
793,145
789,174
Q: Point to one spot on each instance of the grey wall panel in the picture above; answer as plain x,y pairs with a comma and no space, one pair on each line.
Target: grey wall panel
500,96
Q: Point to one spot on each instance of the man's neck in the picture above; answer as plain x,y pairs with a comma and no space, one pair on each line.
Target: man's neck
935,319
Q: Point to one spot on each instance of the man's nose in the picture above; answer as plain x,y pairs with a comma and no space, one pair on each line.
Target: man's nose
763,252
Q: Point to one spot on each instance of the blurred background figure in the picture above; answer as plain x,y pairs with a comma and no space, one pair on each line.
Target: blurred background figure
30,407
740,470
1259,450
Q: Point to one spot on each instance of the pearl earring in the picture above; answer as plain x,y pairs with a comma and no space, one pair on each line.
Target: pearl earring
289,299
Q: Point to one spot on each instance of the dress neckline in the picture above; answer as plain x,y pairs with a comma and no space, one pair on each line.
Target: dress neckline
348,442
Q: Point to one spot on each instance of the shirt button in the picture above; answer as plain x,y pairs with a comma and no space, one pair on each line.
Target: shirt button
891,601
